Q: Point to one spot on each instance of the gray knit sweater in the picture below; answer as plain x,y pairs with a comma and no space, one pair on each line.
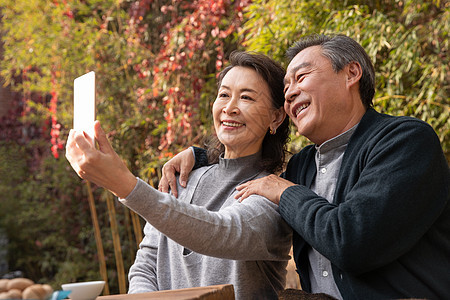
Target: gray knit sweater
206,237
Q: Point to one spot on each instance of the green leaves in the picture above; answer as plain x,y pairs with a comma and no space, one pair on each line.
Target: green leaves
156,65
407,41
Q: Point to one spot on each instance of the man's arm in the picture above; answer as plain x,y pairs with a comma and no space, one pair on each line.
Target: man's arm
402,188
390,194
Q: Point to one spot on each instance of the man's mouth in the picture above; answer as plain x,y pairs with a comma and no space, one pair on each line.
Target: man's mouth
232,124
298,109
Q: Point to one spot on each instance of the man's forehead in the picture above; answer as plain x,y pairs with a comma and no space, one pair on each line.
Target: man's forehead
307,58
307,55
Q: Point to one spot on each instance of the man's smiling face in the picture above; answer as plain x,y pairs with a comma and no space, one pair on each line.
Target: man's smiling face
316,96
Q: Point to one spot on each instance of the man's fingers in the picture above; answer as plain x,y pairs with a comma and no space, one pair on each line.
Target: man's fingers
270,187
245,193
173,185
168,180
182,163
245,190
243,185
187,164
183,177
163,185
239,194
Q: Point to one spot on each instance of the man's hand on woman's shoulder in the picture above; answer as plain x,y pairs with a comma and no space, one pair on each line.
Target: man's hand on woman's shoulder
271,187
181,163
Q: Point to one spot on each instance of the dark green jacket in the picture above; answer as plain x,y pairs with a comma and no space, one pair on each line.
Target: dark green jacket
387,231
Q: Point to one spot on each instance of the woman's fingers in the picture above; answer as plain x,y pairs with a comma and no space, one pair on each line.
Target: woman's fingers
100,136
73,152
82,141
70,144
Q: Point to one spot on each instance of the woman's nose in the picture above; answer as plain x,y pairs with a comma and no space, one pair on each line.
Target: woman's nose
231,107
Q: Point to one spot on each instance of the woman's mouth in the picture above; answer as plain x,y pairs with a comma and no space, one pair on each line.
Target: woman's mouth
232,124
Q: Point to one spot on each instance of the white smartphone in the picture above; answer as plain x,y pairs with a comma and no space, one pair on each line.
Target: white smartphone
84,104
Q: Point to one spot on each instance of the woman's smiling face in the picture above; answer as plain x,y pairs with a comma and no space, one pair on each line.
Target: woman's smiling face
242,112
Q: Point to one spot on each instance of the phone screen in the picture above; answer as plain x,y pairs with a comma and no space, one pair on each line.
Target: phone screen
84,104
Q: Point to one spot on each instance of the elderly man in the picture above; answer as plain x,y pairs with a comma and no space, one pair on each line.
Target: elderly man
369,201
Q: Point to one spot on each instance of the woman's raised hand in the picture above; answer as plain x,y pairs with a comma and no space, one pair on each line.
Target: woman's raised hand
101,166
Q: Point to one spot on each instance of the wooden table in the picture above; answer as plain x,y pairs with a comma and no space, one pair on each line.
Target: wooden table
213,292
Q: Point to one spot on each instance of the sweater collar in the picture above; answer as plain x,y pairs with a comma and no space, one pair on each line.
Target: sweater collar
240,168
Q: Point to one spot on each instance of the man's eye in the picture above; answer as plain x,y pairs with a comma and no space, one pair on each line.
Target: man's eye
300,76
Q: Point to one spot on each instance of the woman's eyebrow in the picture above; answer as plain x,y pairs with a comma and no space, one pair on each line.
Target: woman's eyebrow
248,90
241,90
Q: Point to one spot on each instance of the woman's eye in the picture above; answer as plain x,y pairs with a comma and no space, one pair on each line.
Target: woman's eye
223,95
245,97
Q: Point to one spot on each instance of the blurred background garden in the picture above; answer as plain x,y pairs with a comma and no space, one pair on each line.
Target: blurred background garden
155,63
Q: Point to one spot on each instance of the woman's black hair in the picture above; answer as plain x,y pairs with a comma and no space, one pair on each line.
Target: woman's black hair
274,145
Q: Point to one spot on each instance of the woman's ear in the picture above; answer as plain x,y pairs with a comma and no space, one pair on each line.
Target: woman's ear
278,117
354,73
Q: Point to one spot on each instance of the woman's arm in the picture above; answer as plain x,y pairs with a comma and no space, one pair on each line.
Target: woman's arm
252,230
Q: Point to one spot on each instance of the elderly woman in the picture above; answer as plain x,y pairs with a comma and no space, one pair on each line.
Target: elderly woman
205,236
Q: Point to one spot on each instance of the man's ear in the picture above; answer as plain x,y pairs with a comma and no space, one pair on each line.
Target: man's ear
354,73
278,117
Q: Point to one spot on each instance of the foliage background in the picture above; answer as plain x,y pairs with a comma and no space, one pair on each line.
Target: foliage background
156,63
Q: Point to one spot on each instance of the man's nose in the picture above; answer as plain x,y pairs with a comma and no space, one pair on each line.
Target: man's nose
291,93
